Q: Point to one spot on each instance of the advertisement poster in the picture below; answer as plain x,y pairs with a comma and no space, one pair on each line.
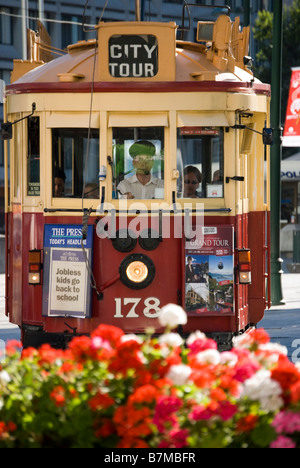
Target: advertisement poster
209,272
66,285
291,134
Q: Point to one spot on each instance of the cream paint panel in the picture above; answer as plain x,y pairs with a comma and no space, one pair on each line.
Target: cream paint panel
251,102
130,119
229,171
196,119
72,119
68,102
136,102
256,168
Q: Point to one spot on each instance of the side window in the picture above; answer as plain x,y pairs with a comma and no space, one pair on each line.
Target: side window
200,161
72,167
33,157
138,162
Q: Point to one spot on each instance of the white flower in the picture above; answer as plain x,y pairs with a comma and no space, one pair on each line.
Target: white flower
274,348
179,374
241,342
209,356
172,315
262,388
171,339
197,335
4,377
229,358
131,337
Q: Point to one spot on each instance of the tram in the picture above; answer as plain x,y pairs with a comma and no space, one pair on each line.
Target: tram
135,178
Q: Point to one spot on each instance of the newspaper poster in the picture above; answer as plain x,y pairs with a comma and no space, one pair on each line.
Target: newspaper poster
66,284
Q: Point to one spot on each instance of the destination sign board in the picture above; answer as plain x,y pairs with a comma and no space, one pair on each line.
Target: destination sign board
133,56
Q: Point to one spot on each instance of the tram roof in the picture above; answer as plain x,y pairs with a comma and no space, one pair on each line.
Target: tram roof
193,63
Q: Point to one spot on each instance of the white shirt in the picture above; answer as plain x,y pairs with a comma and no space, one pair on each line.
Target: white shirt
138,190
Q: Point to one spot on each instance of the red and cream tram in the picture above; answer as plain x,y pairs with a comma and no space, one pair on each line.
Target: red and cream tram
137,179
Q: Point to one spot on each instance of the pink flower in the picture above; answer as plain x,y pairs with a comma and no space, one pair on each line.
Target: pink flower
245,371
287,422
200,413
166,406
176,438
227,410
99,343
200,345
283,443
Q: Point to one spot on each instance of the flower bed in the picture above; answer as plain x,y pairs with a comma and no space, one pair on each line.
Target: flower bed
114,390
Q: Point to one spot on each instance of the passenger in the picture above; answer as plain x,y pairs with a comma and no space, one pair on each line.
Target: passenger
217,177
142,184
91,190
192,179
59,182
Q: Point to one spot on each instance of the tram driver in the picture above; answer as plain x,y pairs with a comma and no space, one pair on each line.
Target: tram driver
142,185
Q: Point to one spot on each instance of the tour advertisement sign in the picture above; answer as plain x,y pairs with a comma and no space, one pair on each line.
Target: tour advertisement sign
291,134
66,285
209,272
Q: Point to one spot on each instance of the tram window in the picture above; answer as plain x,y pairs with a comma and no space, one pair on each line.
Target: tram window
200,161
33,157
69,148
138,162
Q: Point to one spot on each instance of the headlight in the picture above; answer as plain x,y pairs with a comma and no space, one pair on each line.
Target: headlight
137,271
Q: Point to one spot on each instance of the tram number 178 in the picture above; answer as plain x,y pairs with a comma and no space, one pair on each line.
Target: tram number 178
151,307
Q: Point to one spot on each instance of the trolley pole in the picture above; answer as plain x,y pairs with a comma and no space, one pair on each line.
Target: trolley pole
137,10
276,155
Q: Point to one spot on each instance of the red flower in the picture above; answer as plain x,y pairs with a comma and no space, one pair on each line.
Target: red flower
247,423
58,396
100,401
260,336
127,357
286,373
80,347
295,392
12,346
145,394
106,429
48,355
6,428
132,442
132,422
109,333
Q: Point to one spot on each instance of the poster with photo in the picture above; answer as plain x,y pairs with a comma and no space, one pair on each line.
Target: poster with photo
209,272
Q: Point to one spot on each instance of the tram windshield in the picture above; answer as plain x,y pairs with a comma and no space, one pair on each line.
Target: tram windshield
200,161
75,162
138,162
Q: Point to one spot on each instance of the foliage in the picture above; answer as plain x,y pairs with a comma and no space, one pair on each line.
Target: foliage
115,390
263,35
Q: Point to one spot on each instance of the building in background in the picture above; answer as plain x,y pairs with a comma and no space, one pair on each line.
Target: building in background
63,22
